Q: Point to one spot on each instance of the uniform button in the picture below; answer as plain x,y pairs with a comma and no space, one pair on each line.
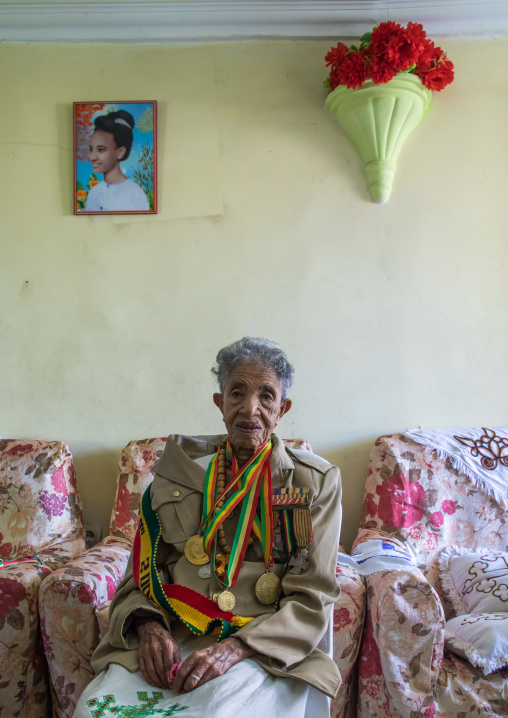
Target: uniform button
176,493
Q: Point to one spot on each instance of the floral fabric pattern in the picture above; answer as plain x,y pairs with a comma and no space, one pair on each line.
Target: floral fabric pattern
136,471
348,617
68,601
74,600
404,669
35,475
40,514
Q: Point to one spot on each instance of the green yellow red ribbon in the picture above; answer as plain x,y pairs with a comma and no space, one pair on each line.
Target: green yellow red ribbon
249,485
199,613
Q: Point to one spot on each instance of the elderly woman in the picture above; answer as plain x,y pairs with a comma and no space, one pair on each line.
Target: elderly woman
232,575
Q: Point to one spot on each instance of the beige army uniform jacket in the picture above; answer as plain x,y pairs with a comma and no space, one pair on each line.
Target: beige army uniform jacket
285,640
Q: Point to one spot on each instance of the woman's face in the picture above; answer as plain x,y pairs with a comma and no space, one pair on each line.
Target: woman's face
103,152
251,405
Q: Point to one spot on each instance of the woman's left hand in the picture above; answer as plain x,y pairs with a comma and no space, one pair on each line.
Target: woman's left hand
201,666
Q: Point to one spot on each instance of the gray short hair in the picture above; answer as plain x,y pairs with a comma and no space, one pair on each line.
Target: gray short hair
254,349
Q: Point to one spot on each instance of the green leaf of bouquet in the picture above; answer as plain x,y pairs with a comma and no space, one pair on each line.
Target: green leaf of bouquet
79,185
353,48
326,84
366,38
87,187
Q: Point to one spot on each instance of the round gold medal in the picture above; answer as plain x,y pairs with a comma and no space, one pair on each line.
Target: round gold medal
267,588
194,551
226,601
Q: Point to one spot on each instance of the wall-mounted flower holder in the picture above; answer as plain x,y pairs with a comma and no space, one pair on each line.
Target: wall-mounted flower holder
378,119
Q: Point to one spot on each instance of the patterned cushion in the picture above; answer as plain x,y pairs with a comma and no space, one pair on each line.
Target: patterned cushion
39,502
482,638
475,582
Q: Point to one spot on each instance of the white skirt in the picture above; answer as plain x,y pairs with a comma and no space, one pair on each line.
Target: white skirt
245,691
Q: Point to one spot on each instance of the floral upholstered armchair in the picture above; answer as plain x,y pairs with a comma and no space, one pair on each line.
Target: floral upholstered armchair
40,530
74,601
411,663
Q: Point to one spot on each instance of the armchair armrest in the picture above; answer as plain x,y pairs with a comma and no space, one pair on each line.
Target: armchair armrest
404,637
348,619
68,599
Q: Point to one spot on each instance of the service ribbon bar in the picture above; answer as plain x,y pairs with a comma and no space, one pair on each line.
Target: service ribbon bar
287,498
199,613
292,513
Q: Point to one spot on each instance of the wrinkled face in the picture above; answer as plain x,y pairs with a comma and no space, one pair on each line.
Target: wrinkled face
251,405
103,152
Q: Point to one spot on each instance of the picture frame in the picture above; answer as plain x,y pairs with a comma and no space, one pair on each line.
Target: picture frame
117,140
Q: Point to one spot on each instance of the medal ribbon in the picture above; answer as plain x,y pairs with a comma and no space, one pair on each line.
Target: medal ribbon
199,613
254,480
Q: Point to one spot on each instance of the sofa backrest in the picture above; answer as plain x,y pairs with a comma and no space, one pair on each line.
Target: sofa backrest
135,474
136,471
415,496
39,500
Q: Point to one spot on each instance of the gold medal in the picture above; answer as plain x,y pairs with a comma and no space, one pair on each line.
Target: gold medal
194,551
267,588
226,601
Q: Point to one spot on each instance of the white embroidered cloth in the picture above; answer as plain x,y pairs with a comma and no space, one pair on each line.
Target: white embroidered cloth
245,691
479,453
377,555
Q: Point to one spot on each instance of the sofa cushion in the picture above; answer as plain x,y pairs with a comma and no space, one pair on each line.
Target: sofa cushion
475,581
482,638
39,500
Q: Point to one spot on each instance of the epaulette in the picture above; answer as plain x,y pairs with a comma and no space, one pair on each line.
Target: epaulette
311,460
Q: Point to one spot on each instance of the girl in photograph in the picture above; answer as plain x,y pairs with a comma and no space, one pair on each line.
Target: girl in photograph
109,145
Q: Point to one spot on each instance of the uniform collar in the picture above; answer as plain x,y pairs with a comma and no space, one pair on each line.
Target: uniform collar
177,462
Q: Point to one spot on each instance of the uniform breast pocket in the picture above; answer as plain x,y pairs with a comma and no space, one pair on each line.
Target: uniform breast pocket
179,511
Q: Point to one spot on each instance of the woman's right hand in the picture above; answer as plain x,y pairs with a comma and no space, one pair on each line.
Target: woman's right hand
157,651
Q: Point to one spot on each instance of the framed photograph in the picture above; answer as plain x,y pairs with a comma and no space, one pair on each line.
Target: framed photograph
115,157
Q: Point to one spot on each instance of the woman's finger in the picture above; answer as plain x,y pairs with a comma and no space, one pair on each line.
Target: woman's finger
160,667
195,678
185,670
174,650
147,670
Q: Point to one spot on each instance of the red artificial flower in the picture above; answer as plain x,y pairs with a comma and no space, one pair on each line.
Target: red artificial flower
353,71
425,57
390,49
381,71
382,34
440,72
336,54
403,47
334,78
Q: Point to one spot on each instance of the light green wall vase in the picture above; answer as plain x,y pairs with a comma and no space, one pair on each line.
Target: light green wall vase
378,119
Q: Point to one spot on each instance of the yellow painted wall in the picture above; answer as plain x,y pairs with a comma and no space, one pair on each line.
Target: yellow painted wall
394,315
